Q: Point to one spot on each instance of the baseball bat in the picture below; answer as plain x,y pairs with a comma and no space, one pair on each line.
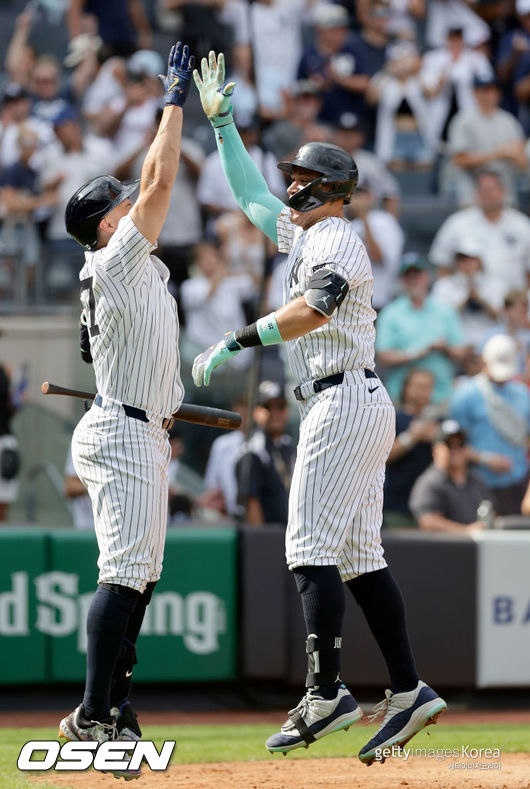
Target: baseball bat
188,412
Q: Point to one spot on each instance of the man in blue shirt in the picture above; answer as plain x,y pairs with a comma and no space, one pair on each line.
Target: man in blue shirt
335,63
417,331
494,411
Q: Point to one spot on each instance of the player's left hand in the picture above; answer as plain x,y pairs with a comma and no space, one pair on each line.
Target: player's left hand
212,357
179,68
215,95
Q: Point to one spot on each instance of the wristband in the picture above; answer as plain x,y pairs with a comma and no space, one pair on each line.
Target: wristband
268,330
218,121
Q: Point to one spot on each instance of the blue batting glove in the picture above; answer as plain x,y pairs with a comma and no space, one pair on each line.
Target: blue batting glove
212,357
179,69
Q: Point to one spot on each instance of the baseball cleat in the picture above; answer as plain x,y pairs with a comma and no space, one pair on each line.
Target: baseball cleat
76,727
126,721
313,718
405,715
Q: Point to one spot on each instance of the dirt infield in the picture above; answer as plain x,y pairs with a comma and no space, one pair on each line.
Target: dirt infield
511,771
237,717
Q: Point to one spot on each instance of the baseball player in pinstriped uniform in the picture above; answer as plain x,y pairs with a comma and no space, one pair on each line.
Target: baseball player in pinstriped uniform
120,447
346,429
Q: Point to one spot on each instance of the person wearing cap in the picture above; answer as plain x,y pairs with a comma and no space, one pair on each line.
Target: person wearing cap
383,238
514,321
266,462
15,107
469,290
350,134
302,104
71,161
446,497
485,136
335,62
417,331
494,411
501,232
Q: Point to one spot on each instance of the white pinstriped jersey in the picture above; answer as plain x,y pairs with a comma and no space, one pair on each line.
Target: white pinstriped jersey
347,341
133,323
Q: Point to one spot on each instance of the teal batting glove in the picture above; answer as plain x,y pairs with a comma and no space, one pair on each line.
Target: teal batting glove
212,357
215,94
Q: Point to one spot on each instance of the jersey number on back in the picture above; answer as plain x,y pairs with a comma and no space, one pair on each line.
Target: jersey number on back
93,328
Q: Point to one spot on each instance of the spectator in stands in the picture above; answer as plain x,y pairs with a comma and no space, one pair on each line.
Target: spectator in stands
416,331
21,56
220,476
470,291
393,18
445,498
383,238
245,105
242,245
213,191
513,48
444,14
273,28
48,98
265,467
485,136
128,119
447,76
502,234
20,197
123,25
302,104
515,322
15,113
69,163
335,62
494,411
75,491
181,506
402,127
350,134
212,299
411,454
177,238
9,452
198,22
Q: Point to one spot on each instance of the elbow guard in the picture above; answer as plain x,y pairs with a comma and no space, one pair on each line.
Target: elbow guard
326,290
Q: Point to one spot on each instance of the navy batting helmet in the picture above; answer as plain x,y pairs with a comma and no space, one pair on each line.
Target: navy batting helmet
92,201
336,168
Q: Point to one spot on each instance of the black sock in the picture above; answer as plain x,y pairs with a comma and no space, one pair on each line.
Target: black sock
122,677
322,594
380,598
107,621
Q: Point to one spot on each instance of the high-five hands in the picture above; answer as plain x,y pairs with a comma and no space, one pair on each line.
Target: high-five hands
215,94
177,81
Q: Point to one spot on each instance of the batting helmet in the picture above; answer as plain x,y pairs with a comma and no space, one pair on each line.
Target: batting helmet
92,201
336,167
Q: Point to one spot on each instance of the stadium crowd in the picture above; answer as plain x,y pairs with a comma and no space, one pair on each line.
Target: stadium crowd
431,98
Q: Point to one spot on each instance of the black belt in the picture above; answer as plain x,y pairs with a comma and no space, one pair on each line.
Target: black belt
137,413
330,380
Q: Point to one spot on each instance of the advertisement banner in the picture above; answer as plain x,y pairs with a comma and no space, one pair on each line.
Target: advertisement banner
503,622
48,578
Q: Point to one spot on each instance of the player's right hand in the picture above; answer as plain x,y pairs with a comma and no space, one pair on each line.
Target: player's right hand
215,94
177,82
212,357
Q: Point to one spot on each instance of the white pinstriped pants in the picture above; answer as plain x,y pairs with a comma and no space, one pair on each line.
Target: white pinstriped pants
336,497
123,462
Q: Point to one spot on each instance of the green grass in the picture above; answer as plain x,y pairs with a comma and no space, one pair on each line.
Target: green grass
246,743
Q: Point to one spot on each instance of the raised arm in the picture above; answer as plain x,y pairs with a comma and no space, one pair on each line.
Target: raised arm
245,180
162,159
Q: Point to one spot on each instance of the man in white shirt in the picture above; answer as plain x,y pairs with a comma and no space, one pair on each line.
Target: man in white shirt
502,235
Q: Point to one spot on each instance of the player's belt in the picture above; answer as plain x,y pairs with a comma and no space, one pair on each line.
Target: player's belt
305,390
137,413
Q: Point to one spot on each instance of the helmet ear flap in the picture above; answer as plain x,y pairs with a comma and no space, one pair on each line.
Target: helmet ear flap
307,199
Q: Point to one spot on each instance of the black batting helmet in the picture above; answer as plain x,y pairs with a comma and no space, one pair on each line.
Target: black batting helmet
336,167
92,201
